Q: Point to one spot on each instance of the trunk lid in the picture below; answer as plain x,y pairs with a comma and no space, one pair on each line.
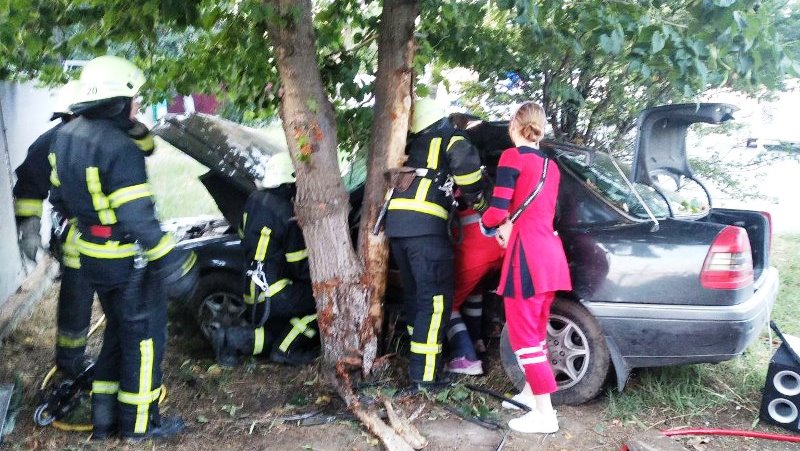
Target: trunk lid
661,137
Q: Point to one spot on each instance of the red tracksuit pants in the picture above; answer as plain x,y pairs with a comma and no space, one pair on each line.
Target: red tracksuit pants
526,321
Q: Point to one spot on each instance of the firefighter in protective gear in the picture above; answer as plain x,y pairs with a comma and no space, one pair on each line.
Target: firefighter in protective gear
280,315
75,297
99,178
439,159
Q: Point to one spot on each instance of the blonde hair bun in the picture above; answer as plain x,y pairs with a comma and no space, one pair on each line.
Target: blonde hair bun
528,122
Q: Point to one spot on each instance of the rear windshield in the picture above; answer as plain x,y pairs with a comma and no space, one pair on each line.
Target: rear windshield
597,170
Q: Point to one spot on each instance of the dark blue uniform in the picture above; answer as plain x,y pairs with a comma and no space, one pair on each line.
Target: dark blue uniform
282,317
75,297
416,224
100,179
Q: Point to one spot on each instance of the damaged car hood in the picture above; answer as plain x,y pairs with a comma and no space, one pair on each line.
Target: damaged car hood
234,154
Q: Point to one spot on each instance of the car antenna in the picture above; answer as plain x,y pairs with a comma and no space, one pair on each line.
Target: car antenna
656,225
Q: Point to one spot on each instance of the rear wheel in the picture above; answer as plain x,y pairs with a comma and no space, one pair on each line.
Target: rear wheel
577,352
217,299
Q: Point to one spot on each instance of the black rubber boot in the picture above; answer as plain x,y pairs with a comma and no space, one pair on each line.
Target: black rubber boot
231,342
104,416
432,387
294,357
73,367
160,429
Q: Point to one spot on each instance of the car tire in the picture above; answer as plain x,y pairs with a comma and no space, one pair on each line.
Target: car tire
577,350
218,297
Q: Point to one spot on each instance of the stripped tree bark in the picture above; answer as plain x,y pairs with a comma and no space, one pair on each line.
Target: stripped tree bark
348,296
393,99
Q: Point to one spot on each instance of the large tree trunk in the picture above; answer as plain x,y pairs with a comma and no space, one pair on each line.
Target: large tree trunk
341,286
393,99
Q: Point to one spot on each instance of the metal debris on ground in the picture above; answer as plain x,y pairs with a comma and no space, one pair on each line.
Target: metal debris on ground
6,392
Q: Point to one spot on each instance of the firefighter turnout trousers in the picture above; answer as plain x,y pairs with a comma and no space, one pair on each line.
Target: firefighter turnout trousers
292,321
74,312
127,382
426,268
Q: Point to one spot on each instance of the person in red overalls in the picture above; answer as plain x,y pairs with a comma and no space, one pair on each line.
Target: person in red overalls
535,266
475,256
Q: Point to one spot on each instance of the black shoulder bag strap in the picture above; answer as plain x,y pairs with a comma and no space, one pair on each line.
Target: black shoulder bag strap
533,194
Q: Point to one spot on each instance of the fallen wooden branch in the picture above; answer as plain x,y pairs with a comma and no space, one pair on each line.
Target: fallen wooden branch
30,291
391,438
403,426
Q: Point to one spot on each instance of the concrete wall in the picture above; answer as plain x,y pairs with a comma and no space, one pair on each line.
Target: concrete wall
25,114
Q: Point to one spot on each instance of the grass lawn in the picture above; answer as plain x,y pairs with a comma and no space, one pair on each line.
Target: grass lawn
178,192
693,390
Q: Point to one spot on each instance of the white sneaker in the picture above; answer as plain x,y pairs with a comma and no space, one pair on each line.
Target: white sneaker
528,400
535,422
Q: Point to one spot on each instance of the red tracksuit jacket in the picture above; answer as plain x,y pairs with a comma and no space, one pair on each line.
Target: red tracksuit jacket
534,261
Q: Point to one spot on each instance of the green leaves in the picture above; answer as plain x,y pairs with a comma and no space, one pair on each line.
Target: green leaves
740,20
594,65
657,42
612,43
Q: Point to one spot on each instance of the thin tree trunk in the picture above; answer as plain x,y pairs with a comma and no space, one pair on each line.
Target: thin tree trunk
393,98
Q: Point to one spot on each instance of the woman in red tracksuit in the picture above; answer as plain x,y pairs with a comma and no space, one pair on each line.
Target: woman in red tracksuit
534,267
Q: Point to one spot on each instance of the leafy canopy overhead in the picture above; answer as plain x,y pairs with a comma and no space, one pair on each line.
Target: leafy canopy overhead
595,64
592,63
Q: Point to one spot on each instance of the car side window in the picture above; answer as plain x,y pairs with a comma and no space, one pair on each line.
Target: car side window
601,177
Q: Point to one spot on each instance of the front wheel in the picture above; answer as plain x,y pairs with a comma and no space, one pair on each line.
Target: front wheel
217,301
577,352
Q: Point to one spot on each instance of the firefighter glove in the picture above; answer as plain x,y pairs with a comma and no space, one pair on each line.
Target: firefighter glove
30,239
481,204
178,273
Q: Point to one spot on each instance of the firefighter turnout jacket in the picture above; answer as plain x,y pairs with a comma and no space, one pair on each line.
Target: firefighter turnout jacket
271,237
105,187
33,183
439,153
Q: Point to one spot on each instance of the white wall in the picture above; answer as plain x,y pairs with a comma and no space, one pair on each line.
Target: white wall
25,113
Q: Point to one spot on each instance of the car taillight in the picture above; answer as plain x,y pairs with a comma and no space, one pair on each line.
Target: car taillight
728,265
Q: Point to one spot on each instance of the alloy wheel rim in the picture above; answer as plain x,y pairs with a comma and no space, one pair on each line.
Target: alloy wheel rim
569,351
220,309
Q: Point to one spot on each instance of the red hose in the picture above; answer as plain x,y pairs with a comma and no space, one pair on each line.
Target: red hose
733,432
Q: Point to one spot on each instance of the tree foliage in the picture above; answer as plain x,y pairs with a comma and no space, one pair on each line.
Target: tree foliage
595,64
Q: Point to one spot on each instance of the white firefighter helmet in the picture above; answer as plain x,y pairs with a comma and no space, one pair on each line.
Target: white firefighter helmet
427,112
107,77
64,98
278,170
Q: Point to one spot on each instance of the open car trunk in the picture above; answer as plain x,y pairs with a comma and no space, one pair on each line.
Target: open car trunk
661,150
